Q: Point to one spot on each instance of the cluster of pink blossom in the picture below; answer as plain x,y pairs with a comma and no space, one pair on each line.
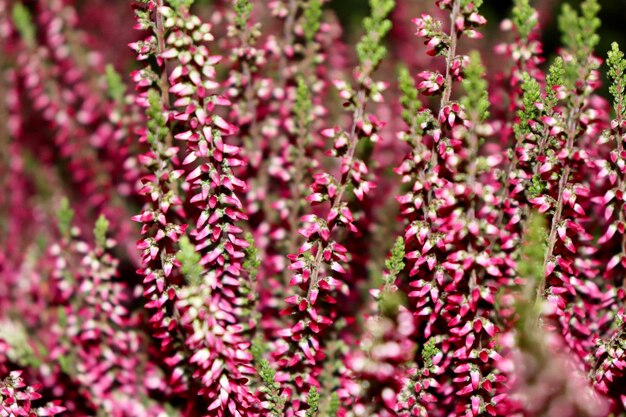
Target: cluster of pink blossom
291,222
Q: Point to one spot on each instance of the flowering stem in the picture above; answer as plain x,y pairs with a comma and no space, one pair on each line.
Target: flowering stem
165,95
445,97
353,142
296,189
558,212
288,34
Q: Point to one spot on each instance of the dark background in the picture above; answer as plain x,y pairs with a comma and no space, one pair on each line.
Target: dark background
613,16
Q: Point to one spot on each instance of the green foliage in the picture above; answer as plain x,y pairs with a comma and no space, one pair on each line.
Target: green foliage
157,124
312,18
177,4
243,9
267,373
190,261
475,4
333,405
369,49
252,261
578,32
554,79
477,97
429,351
536,187
116,87
270,387
417,119
65,215
533,249
531,95
395,264
530,268
303,105
313,400
617,75
21,349
24,24
390,300
62,316
524,18
409,98
100,232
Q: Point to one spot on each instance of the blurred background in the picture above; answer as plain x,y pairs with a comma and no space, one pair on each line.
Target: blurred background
613,15
112,29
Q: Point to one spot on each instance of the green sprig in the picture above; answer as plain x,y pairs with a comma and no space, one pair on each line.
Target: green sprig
115,84
554,79
24,24
579,32
252,260
531,95
157,124
177,4
243,9
533,249
312,17
395,264
429,351
524,18
333,405
617,75
303,105
100,231
313,400
475,86
65,215
190,261
270,387
370,49
409,98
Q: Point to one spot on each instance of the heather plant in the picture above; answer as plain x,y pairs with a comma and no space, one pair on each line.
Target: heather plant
239,208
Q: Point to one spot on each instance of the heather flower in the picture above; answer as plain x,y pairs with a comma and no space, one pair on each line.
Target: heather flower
259,160
608,356
211,306
319,263
16,398
544,379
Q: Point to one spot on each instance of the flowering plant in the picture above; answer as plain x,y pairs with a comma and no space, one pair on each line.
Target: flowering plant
287,222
